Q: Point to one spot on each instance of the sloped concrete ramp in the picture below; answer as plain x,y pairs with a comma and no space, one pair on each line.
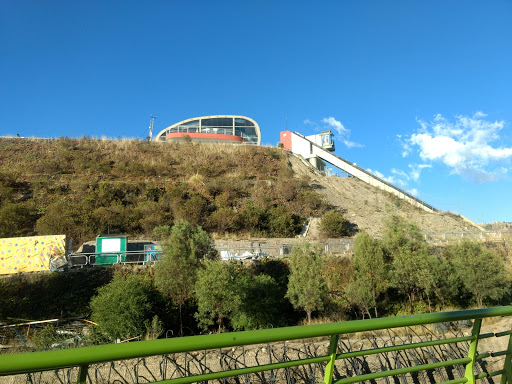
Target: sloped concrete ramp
300,145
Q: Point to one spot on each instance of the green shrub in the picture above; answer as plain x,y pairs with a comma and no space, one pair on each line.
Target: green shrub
223,220
253,218
46,337
333,224
283,223
124,307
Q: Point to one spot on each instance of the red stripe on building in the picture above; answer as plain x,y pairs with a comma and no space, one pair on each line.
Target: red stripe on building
200,135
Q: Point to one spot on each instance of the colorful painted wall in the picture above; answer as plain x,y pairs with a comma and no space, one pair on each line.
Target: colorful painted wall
30,254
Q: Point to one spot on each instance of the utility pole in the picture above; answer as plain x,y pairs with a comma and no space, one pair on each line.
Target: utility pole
151,127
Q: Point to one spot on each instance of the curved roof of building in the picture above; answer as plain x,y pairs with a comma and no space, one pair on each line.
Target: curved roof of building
225,126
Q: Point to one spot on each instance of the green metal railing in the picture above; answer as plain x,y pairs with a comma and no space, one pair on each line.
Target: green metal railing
87,356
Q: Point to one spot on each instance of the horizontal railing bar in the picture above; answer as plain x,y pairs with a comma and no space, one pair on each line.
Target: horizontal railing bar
486,335
403,347
504,333
243,371
500,353
482,375
496,373
456,381
400,371
483,355
40,361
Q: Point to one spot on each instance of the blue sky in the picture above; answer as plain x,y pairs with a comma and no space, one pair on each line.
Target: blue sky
418,92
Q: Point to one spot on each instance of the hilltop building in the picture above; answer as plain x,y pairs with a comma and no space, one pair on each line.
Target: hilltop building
294,142
226,129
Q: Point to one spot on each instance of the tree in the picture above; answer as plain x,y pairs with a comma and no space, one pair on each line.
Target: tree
306,286
411,264
412,274
123,307
333,224
176,270
57,219
370,272
338,274
215,293
360,293
399,233
481,271
257,293
448,286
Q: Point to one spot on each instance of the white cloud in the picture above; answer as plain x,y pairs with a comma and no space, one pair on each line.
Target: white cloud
342,134
415,170
336,125
351,144
400,174
464,145
406,148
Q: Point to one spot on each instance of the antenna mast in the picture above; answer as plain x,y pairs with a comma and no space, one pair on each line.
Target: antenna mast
151,127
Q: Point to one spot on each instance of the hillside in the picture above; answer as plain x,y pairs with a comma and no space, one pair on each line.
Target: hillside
368,207
85,187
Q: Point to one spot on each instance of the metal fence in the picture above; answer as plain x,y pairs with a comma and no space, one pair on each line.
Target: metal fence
239,252
420,349
256,250
105,259
448,237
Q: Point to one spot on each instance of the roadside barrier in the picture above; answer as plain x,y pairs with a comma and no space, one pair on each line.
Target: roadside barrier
451,358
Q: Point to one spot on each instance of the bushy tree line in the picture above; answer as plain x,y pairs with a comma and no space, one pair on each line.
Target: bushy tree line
190,279
396,274
191,291
401,265
50,295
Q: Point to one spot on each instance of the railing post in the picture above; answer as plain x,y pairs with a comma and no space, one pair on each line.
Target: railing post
329,368
470,371
82,374
506,377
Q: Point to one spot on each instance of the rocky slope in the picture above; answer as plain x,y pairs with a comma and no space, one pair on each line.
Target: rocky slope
368,207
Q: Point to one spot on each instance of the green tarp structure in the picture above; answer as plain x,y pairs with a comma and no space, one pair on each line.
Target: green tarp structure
110,249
